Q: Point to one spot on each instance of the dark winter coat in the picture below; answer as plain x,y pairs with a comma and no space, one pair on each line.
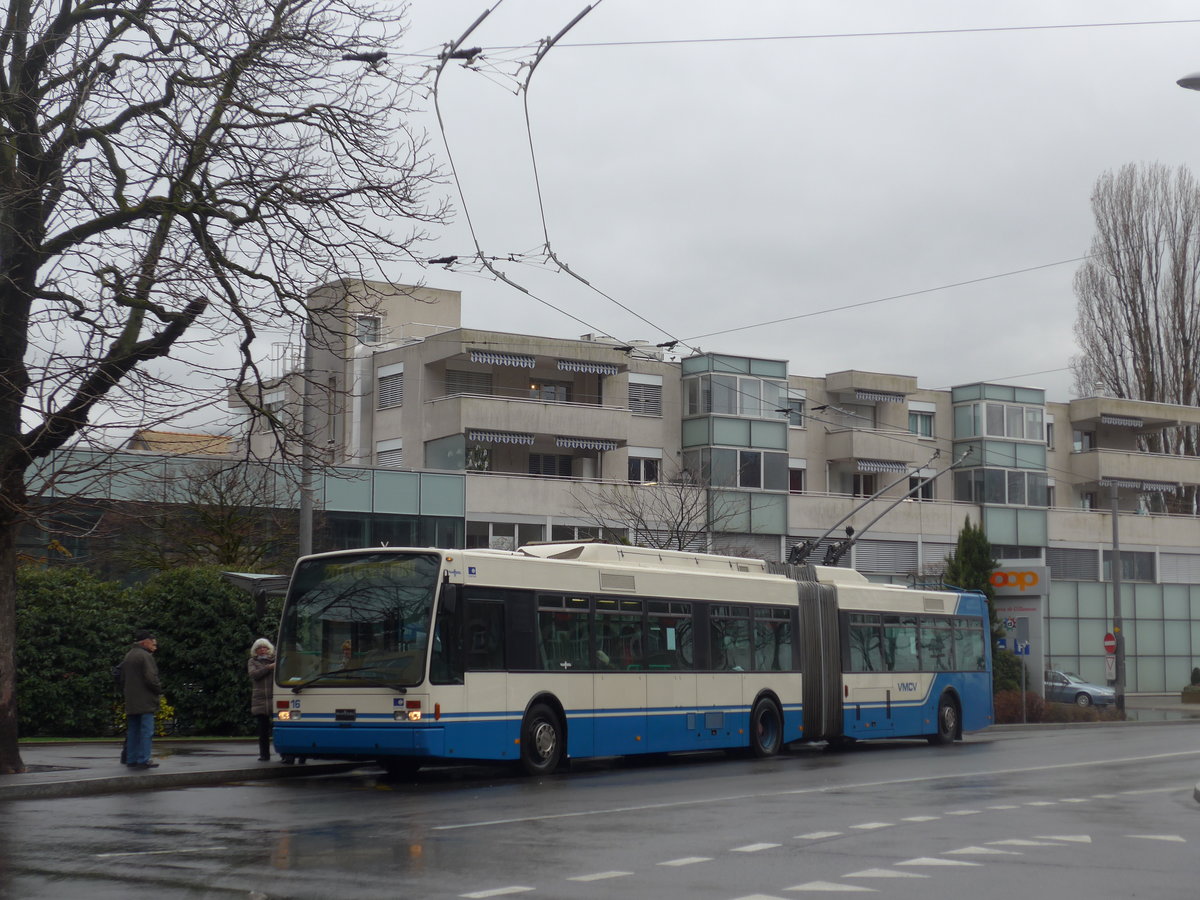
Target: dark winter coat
262,678
139,672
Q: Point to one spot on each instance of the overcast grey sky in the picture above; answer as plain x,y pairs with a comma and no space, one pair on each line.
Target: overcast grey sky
708,186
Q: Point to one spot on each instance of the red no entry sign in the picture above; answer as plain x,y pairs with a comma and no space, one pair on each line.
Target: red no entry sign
1110,643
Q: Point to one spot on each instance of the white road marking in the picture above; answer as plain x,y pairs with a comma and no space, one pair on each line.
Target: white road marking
1073,838
1004,806
758,897
1104,796
976,851
1169,790
860,785
831,886
1074,800
964,812
497,892
1023,842
1159,837
753,848
817,835
1042,803
871,826
599,876
934,861
686,861
884,873
920,818
157,852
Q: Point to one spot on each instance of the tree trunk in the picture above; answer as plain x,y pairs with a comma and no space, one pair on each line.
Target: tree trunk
10,756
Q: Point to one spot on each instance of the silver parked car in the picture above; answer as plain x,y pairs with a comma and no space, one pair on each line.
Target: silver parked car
1067,687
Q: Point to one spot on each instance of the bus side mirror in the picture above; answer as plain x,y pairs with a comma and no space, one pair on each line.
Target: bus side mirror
450,593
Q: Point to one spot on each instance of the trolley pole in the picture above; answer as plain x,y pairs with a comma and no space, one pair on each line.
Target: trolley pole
1118,620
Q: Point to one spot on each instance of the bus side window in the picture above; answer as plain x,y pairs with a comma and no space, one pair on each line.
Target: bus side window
483,637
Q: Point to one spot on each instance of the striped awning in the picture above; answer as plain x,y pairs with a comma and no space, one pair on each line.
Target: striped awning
577,443
1160,487
877,396
499,437
1120,421
491,358
880,465
588,368
1127,483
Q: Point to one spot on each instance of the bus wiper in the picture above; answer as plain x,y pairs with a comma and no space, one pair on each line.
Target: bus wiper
320,676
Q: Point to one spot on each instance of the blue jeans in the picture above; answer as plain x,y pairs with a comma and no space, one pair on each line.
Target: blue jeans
138,737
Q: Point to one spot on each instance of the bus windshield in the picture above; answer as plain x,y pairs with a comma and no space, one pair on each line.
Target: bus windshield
360,619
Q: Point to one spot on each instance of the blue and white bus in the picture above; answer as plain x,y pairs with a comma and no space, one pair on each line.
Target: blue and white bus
566,651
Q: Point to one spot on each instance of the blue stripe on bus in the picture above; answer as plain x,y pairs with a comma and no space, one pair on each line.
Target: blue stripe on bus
495,735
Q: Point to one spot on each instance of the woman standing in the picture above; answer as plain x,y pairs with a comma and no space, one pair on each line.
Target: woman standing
261,667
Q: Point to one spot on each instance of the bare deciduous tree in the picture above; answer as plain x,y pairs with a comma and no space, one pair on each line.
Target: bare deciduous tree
212,512
678,512
1138,319
173,178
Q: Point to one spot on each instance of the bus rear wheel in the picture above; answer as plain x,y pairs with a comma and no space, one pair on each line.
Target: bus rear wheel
766,729
947,721
541,740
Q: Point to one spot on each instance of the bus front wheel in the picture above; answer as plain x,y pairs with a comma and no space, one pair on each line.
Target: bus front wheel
947,721
541,740
766,729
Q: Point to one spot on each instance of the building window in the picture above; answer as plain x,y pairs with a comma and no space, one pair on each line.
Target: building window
795,413
1134,566
732,395
1050,435
920,487
645,399
1001,487
642,470
864,484
920,423
390,458
391,391
796,481
366,329
458,382
750,469
556,465
1083,441
550,391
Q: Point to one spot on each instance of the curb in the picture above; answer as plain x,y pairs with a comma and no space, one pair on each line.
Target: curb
84,787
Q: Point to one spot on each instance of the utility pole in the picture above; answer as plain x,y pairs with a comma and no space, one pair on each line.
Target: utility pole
1118,621
304,532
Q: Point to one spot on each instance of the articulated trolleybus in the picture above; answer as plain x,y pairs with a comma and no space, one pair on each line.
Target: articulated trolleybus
566,651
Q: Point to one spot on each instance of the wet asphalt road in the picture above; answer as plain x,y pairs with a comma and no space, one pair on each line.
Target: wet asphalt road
1093,813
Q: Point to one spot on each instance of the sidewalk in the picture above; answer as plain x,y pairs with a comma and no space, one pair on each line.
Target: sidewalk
71,769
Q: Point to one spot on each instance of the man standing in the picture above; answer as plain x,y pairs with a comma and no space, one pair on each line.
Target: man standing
140,675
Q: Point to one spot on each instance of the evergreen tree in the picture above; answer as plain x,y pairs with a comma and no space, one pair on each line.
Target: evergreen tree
971,568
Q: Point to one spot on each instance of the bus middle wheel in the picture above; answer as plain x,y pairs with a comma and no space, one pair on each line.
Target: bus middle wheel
766,729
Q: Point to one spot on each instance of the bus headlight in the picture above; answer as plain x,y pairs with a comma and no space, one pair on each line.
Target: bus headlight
407,715
289,715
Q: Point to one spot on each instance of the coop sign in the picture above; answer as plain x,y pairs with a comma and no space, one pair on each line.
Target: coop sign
1018,581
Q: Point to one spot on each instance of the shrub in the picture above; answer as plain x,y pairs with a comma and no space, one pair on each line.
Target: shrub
1196,675
1006,671
205,627
1007,706
71,629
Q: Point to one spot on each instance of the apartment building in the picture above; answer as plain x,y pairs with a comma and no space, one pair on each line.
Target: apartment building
561,439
